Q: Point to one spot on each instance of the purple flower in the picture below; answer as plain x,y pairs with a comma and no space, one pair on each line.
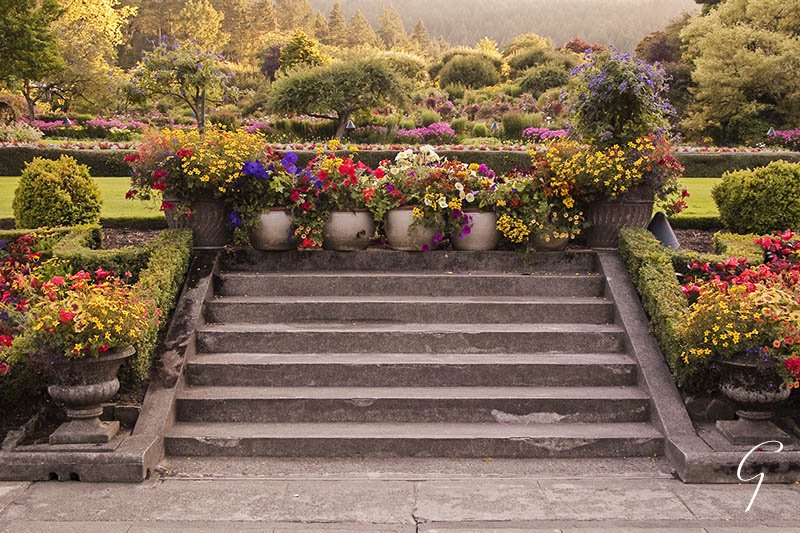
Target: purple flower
289,162
466,230
234,219
255,169
438,238
425,248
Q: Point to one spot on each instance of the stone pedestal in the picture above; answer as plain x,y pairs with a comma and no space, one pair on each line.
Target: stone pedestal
751,432
85,431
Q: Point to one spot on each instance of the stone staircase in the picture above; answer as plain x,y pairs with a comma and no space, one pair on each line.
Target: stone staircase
383,353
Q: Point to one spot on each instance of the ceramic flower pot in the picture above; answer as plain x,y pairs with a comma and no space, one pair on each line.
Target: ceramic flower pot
209,223
174,219
756,391
402,236
274,231
83,385
348,231
548,243
480,234
606,218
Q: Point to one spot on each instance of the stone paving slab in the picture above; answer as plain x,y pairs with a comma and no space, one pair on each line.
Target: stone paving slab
9,491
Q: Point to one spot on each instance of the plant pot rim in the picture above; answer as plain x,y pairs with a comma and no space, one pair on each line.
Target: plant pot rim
120,352
272,209
357,210
473,210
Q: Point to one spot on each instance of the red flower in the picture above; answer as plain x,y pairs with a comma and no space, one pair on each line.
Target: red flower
379,173
166,206
6,340
368,194
159,186
130,158
184,153
295,195
160,173
103,348
101,274
57,281
65,316
4,369
130,194
793,366
306,206
307,243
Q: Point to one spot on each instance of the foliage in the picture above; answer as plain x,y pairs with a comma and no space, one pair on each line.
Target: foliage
301,51
515,123
265,182
56,193
183,72
539,79
201,24
760,200
338,90
438,132
19,132
616,98
745,56
471,71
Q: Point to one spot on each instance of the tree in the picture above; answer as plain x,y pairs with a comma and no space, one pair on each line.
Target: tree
527,41
89,34
301,50
420,35
487,46
472,71
244,29
262,17
294,14
183,72
746,56
336,91
198,21
361,32
28,47
320,27
391,29
337,27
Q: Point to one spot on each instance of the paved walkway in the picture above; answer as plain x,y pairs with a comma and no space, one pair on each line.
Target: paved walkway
396,496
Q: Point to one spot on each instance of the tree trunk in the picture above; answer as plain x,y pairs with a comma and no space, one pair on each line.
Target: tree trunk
341,129
201,119
31,103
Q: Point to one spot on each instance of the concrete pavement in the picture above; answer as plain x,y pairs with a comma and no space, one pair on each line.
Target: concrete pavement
397,496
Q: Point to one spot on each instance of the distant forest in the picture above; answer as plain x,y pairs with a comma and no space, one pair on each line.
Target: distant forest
621,23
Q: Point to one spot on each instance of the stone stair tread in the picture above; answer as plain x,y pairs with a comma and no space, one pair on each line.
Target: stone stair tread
392,299
557,358
354,430
394,327
403,274
405,393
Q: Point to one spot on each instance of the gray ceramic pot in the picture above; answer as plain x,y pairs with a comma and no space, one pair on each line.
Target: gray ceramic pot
402,236
273,231
348,231
483,235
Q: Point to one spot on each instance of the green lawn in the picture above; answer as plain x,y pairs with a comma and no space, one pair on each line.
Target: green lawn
112,191
116,206
700,202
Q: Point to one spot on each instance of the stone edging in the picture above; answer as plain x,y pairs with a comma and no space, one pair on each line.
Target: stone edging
692,459
136,456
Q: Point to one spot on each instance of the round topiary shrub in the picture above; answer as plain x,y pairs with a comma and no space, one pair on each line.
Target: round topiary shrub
471,71
539,79
761,200
56,193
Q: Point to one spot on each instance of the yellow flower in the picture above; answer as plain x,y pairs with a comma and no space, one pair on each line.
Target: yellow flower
417,212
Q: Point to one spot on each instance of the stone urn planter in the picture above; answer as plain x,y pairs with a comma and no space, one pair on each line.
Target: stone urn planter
273,232
482,234
175,220
606,218
548,243
348,231
83,385
402,236
209,223
756,392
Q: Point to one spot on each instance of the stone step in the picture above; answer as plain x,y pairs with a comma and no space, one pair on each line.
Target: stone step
409,338
419,309
518,405
415,440
378,259
365,283
413,370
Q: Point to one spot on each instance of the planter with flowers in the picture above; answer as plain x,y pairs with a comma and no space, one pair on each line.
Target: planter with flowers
83,327
619,107
745,321
411,200
196,175
472,218
261,201
346,188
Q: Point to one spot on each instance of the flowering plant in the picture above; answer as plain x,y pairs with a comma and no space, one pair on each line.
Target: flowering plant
264,183
81,315
346,185
440,132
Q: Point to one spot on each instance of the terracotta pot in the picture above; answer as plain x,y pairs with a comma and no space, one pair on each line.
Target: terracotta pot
633,209
402,236
274,231
83,385
756,391
348,231
209,223
548,243
483,235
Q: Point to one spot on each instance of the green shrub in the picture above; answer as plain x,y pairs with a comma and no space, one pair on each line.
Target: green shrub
732,245
225,118
80,248
455,91
651,269
480,130
761,200
515,123
407,124
471,71
429,116
56,193
539,79
707,222
459,125
512,89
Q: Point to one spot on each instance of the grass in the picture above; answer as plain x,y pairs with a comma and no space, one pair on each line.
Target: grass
112,191
116,206
700,202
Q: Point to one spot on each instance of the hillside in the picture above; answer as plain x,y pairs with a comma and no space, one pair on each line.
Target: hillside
621,23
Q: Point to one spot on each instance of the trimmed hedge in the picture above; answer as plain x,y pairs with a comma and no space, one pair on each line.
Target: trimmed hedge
80,249
735,245
696,222
651,268
109,163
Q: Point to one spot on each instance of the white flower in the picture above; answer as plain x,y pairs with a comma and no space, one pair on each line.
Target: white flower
442,202
459,187
470,197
